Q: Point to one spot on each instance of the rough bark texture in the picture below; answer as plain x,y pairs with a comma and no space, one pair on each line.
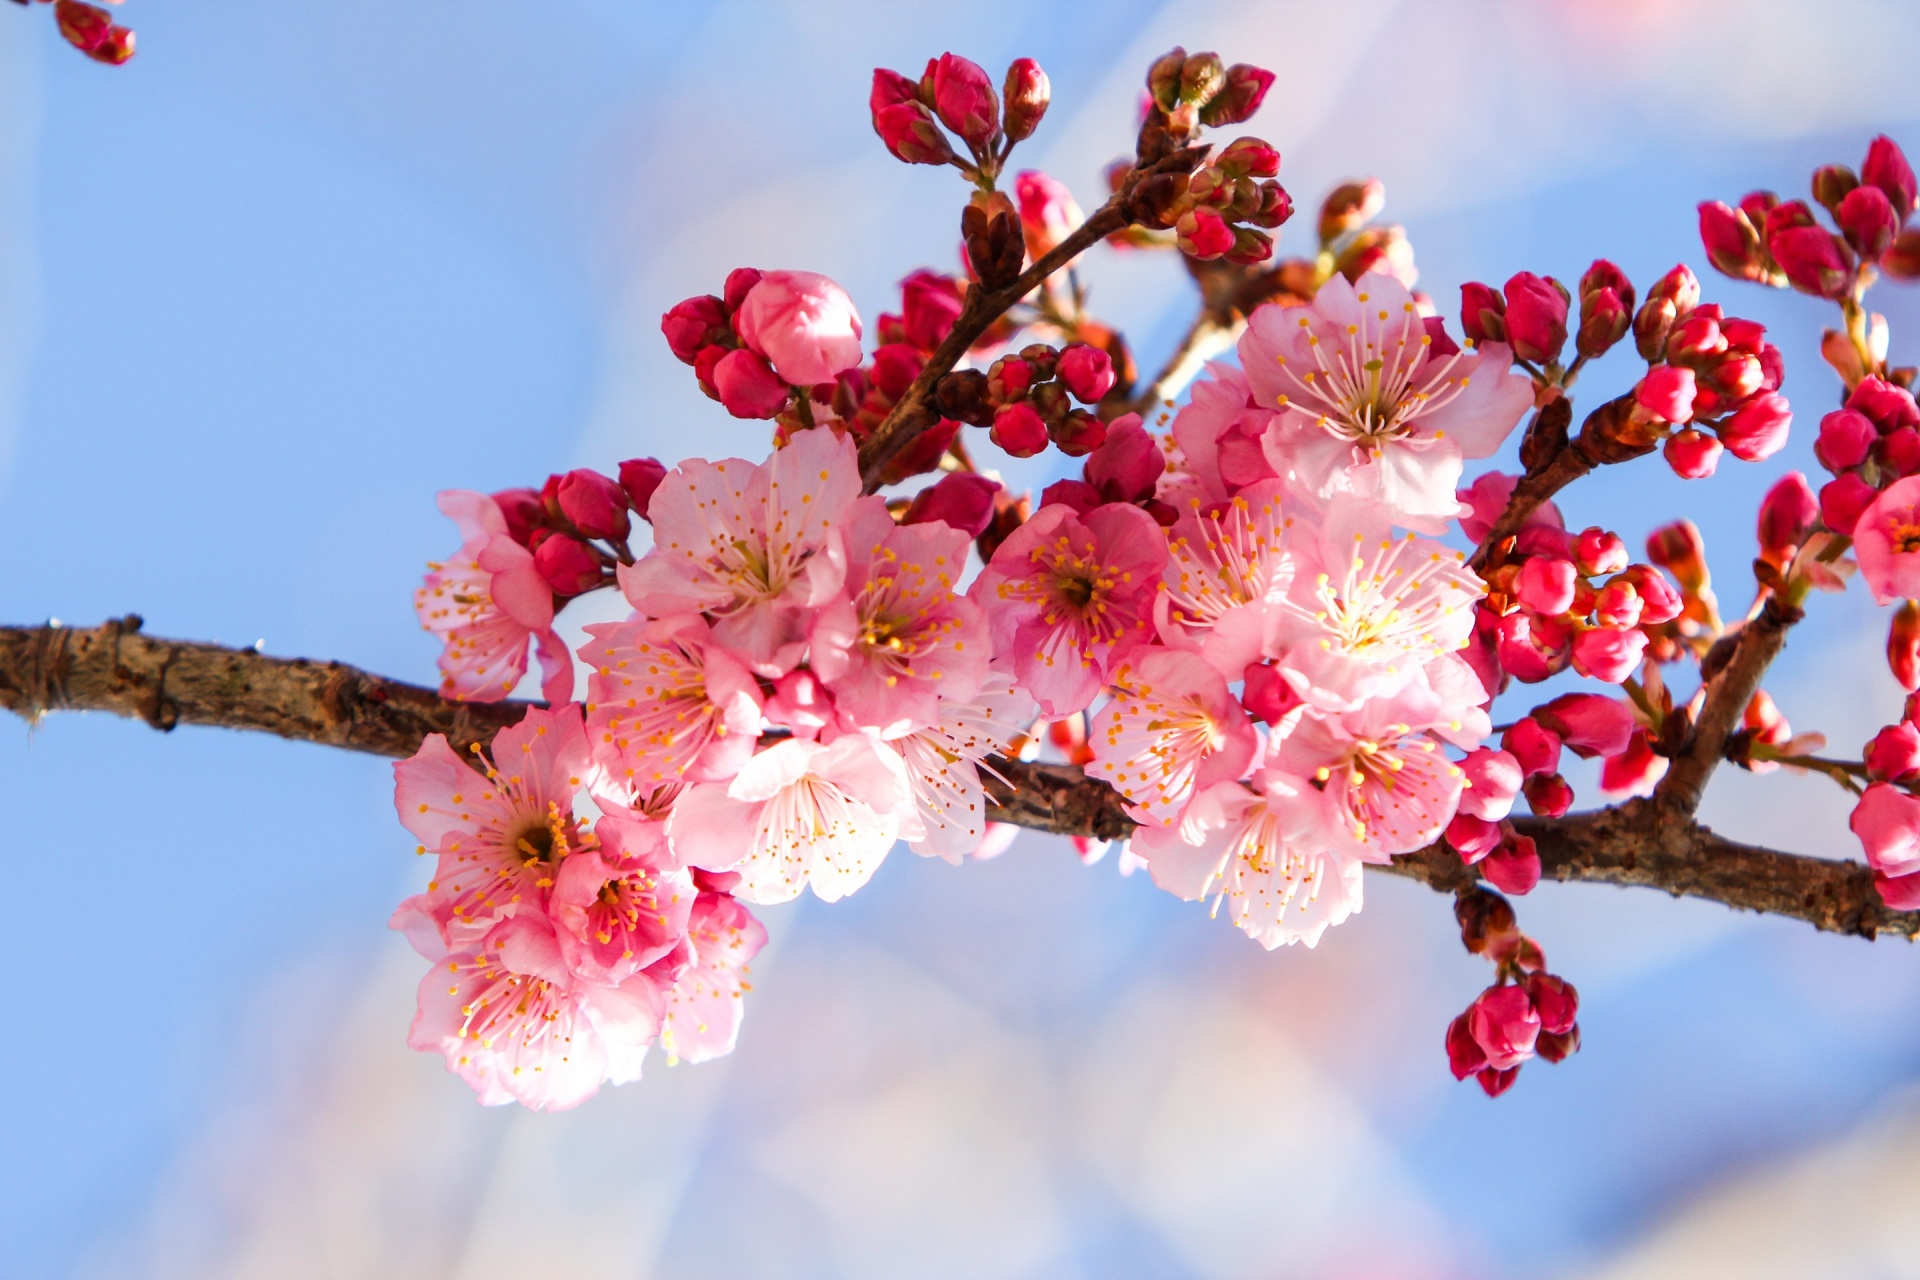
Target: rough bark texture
115,668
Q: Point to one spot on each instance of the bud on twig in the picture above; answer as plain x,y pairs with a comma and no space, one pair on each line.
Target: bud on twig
1027,93
1349,207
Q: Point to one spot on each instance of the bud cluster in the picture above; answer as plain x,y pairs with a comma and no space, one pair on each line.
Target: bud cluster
577,524
766,336
956,93
1026,398
1185,91
1868,444
1713,381
92,30
1527,1013
1887,817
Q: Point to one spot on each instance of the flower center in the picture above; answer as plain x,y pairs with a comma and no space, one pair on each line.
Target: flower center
1380,385
1905,534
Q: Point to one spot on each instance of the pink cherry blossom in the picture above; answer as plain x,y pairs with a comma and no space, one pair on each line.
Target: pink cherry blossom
1493,779
897,639
803,323
1370,610
1068,596
620,906
518,1027
502,836
1268,851
486,603
1217,436
1391,786
1886,542
753,547
1170,729
1368,407
667,703
1887,821
944,761
702,1018
1227,576
798,813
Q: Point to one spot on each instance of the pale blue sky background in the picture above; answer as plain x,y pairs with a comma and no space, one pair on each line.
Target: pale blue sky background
266,289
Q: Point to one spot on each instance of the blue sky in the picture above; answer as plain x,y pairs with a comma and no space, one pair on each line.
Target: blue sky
267,288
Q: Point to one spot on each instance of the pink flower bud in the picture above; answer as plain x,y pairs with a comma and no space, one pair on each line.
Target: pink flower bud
1667,393
1814,260
1598,552
640,477
1127,465
1634,771
803,323
1235,102
1607,655
890,89
964,97
800,703
1659,602
1546,585
1590,724
1078,434
1887,406
1465,1057
1732,243
962,499
1504,1024
1203,234
1078,494
566,565
1843,500
693,324
895,366
1493,779
1474,838
929,304
1886,168
1548,794
1048,212
910,134
1027,92
747,387
1533,745
1887,821
1903,645
1759,428
1899,451
1536,317
1483,313
738,285
1698,337
704,365
85,26
1787,514
1267,696
1867,218
1514,867
1693,455
1087,371
1555,1000
1894,753
1248,158
1845,437
1019,429
1604,320
1617,605
595,504
1532,647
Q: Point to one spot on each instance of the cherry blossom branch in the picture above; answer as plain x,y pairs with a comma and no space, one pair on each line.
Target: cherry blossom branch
117,668
1228,294
1728,691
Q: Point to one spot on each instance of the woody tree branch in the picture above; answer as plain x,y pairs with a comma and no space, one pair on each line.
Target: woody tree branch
116,668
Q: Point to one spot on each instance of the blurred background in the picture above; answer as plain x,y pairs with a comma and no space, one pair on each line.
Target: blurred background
298,266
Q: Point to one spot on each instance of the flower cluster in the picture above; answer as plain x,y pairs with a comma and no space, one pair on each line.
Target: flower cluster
91,30
1527,1013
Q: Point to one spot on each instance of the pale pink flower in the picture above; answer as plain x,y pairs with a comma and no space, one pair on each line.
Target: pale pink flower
500,837
518,1027
1370,610
944,761
621,905
1887,821
486,603
1391,786
1267,851
752,547
1170,729
897,639
703,1007
797,813
1227,575
803,323
1368,407
666,703
1068,596
1218,436
1886,542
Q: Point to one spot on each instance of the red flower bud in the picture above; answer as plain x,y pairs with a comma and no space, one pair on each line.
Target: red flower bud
1548,794
1608,655
1483,313
1474,838
1504,1024
640,477
1886,168
1787,514
1814,260
1087,371
1843,500
1604,320
1465,1057
1536,317
1514,867
1019,429
962,499
595,504
1667,393
1679,549
1267,696
1887,406
1027,93
1078,434
1203,234
910,134
1894,753
964,97
694,324
1536,747
1733,244
1599,552
1692,454
1903,645
1349,207
86,26
1868,219
566,565
1759,428
739,284
1245,89
748,386
929,304
1555,1000
524,512
1546,585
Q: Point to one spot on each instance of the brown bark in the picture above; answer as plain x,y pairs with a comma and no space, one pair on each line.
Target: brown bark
115,668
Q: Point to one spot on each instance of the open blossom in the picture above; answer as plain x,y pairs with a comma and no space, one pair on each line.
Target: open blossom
486,603
1370,610
1218,434
1886,542
702,1015
797,813
1369,407
1067,596
500,837
1269,851
515,1024
621,905
897,639
753,547
1227,576
1391,786
666,703
1170,729
943,764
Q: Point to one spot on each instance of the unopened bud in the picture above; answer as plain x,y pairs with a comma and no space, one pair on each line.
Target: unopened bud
1202,77
1832,183
566,565
1733,244
1163,79
965,100
1536,317
1078,434
595,504
85,26
1267,695
1250,247
1843,500
1027,93
1485,919
1087,371
1868,219
1248,158
1693,454
1203,235
1679,549
1245,90
962,499
1604,319
1758,429
1815,260
640,477
1599,552
1515,866
1787,515
748,386
1019,429
1886,168
1903,645
1902,259
1350,206
1483,313
695,324
910,134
